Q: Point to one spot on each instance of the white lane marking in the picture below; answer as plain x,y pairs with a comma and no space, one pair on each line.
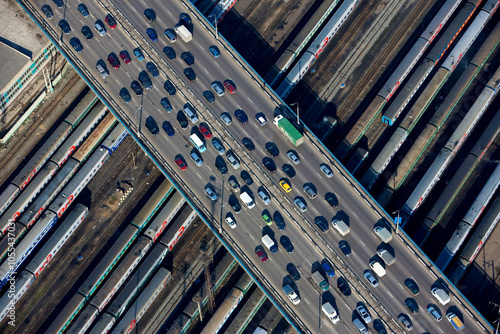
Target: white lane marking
165,137
362,243
169,12
389,294
314,208
250,236
355,215
440,330
307,301
309,262
347,306
117,82
201,47
217,64
319,175
199,175
250,100
206,70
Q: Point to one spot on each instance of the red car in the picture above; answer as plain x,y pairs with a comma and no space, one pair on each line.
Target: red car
110,21
230,87
182,165
261,255
126,58
113,60
206,132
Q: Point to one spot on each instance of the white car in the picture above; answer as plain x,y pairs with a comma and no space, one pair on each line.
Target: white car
226,118
196,158
300,204
293,157
261,118
230,221
364,314
326,170
218,88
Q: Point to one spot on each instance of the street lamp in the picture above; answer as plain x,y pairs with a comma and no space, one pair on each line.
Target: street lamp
298,111
215,21
397,220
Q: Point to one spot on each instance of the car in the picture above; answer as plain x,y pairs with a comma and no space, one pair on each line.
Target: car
300,204
230,86
64,25
272,149
293,271
226,117
209,191
310,190
269,164
150,14
322,223
169,52
47,11
101,68
370,278
327,267
75,43
279,221
285,185
136,87
169,129
214,51
170,88
241,116
190,74
171,36
209,96
152,69
138,54
100,28
412,286
412,305
113,60
233,182
248,143
125,95
218,88
188,58
83,10
181,163
343,286
145,80
345,248
125,56
232,159
205,131
289,170
152,34
186,20
261,255
331,199
87,33
181,118
293,156
287,244
221,165
326,170
230,221
363,313
219,147
267,218
196,157
245,176
406,323
235,204
59,3
261,118
110,21
379,327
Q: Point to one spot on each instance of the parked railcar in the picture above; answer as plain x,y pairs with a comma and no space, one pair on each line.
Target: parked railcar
178,227
64,318
159,224
115,138
7,197
104,324
7,301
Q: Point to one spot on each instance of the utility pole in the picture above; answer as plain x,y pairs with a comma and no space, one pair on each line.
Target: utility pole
207,260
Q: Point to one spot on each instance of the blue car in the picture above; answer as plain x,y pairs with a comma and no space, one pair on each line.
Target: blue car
168,129
166,104
241,116
214,51
138,54
152,69
328,269
152,34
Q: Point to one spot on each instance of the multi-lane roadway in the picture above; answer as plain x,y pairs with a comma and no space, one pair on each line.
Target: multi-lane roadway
310,245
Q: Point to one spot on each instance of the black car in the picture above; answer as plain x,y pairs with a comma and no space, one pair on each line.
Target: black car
292,270
331,199
169,52
272,149
125,95
235,204
83,10
209,96
241,116
186,20
322,224
183,121
145,80
379,327
188,58
287,244
343,287
248,143
75,43
279,221
221,165
64,25
189,73
289,170
269,164
412,286
412,305
169,87
59,3
233,182
150,14
136,87
47,11
345,248
152,69
246,177
87,33
168,128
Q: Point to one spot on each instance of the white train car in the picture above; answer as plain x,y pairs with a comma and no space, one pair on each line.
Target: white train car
103,325
223,312
8,196
11,296
178,227
84,320
160,223
115,138
220,10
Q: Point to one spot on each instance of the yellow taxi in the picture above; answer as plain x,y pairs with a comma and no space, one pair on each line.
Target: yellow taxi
286,186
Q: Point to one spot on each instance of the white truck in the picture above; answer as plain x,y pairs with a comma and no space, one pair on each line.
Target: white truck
341,227
247,199
388,258
331,313
269,243
184,33
294,298
377,268
383,233
441,295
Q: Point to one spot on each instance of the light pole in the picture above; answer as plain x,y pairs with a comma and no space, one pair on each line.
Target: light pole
298,111
215,21
397,221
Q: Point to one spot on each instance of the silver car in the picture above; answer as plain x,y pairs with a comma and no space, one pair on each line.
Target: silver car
218,146
363,313
370,278
233,160
293,157
300,204
218,88
211,193
226,118
326,170
197,159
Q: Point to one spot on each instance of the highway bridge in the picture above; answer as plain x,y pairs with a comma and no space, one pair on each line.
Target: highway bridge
355,206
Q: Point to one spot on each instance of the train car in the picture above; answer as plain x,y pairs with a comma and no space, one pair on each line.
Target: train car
27,196
178,227
115,138
159,224
79,134
357,160
80,181
9,299
8,196
220,10
26,246
50,192
14,233
223,312
182,324
143,302
81,109
154,203
103,325
57,240
108,261
84,320
244,283
95,138
66,315
247,312
137,281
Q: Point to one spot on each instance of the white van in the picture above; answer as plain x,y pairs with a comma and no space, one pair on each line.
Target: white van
190,113
330,313
377,268
247,199
441,295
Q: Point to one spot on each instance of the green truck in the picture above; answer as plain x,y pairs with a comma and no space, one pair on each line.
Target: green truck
289,130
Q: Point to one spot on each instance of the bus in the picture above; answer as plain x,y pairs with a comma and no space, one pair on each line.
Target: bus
198,143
